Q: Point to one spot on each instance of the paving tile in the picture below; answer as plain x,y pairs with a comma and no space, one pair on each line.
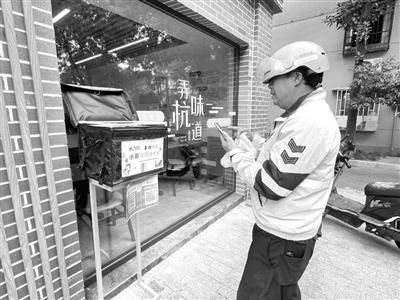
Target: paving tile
168,269
217,266
214,274
134,292
166,293
226,292
198,288
178,296
155,286
347,264
215,296
189,294
232,280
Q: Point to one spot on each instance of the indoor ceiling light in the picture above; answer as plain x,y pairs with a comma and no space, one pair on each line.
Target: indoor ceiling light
87,59
61,15
128,45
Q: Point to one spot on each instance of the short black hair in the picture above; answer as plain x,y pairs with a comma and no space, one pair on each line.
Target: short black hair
312,79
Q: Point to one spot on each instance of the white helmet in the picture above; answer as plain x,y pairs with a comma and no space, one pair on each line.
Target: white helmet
292,56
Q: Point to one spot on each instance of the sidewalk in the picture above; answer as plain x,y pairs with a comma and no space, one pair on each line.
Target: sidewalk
385,162
347,264
207,267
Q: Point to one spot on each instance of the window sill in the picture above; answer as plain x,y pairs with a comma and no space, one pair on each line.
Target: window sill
347,50
364,123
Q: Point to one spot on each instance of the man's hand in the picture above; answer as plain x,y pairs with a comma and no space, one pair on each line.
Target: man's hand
237,131
227,142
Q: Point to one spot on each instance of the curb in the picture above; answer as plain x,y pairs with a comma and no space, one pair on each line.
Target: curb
374,164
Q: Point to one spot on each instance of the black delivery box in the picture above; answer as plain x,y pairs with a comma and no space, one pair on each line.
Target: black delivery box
113,152
114,146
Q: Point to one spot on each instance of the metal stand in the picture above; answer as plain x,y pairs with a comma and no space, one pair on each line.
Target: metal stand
140,282
96,238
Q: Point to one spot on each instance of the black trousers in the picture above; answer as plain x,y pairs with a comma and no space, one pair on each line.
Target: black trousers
273,267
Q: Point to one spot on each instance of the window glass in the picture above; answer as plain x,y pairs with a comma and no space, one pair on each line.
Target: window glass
379,35
163,65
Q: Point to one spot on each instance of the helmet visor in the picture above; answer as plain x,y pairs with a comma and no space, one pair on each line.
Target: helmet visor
269,68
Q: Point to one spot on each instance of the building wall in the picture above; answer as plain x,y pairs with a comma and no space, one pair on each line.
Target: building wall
38,222
305,22
40,254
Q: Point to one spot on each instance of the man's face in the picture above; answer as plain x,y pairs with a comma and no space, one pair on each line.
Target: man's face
281,88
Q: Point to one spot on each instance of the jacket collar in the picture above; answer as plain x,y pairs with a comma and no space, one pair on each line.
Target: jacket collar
300,101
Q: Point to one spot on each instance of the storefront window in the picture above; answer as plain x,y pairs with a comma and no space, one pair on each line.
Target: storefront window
163,65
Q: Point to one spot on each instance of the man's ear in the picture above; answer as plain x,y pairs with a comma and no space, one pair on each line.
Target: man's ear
298,78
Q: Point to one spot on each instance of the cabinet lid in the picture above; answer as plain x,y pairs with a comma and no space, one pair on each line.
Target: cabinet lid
89,103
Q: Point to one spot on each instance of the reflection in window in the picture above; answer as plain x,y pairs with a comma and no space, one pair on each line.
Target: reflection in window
163,65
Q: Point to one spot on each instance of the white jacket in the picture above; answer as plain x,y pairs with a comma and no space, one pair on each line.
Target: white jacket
290,180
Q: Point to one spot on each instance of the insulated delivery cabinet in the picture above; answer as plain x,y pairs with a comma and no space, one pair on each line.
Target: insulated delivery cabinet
114,146
113,152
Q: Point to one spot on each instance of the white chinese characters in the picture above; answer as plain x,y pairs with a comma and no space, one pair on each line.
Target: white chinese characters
184,113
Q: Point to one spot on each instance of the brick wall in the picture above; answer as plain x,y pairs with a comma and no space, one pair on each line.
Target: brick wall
40,254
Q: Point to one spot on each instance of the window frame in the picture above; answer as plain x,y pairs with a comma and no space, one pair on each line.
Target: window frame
341,108
385,35
365,115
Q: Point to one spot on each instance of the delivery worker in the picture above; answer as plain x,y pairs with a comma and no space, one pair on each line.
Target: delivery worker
291,178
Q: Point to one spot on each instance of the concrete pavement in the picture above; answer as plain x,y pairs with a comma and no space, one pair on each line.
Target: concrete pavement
347,264
390,162
207,267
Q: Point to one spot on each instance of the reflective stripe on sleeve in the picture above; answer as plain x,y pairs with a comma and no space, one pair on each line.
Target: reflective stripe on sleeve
267,187
284,179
